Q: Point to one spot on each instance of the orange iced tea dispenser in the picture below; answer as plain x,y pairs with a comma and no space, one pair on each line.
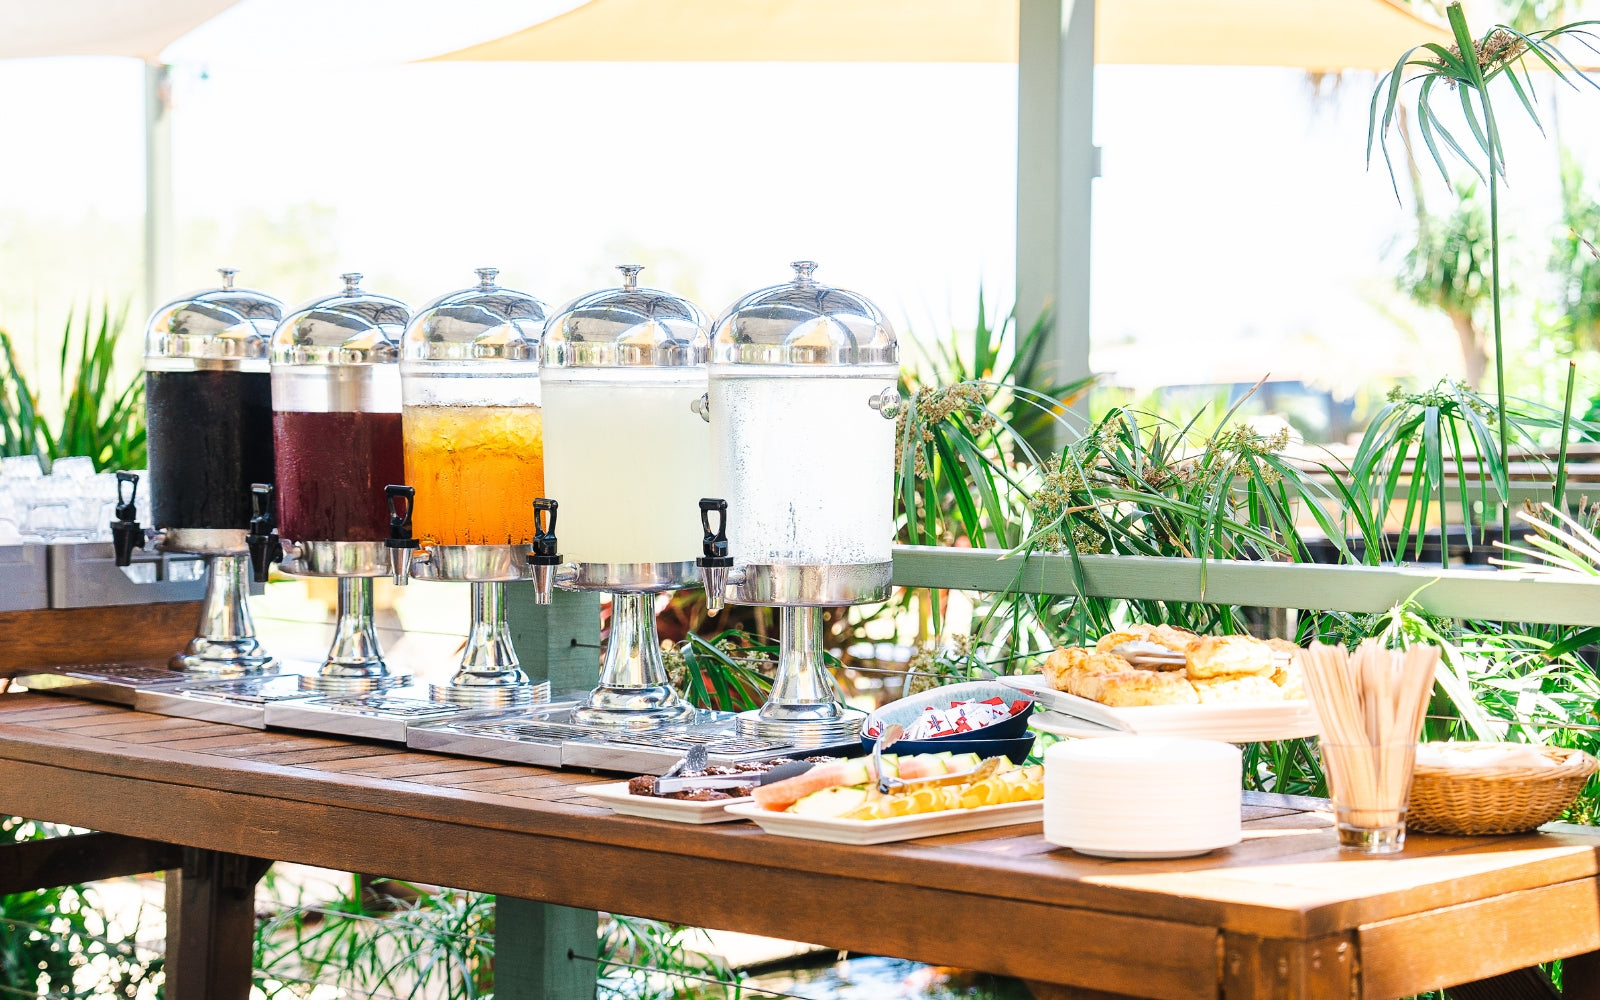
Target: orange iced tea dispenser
474,462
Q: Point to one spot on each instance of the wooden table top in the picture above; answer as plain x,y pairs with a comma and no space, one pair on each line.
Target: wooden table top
1285,905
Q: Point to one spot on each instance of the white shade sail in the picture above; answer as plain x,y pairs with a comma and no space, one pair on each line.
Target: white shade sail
1309,34
137,28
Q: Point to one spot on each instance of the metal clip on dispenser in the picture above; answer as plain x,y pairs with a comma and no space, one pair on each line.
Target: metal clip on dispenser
544,557
715,563
265,546
126,534
402,546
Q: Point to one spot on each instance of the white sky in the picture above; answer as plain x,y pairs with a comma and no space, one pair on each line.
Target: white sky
1236,228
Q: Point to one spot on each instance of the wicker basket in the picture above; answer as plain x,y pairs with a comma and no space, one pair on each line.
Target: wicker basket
1506,799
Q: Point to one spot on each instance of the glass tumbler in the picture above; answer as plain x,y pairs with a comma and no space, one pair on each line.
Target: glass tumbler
1371,789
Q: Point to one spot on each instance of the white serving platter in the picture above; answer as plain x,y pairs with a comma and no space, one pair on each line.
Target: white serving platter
883,831
1230,723
619,799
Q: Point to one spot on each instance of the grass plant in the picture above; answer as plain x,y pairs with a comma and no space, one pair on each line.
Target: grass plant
101,413
1468,69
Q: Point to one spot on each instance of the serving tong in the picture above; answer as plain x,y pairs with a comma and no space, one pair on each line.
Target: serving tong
1171,659
888,785
696,759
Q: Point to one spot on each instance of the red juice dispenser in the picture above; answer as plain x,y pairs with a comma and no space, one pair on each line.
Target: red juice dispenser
337,445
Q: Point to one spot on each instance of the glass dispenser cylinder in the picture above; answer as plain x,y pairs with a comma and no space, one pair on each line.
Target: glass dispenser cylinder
336,419
474,463
625,448
801,402
208,413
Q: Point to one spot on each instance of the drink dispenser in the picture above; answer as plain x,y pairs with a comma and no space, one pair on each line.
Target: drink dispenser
801,404
474,461
336,424
208,414
625,450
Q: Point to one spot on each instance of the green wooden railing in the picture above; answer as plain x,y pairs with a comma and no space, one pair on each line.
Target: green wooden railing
1497,595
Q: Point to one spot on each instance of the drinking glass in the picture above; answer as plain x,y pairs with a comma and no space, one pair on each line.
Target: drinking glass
1371,789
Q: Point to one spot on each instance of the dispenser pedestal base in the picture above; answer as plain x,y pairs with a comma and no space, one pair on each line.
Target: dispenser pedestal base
225,644
340,684
846,729
630,719
499,696
635,691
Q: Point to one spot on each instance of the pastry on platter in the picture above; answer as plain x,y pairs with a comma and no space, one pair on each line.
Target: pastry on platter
1238,689
1289,679
1222,655
1077,670
1134,688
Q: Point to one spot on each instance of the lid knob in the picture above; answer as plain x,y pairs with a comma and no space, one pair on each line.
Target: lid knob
486,276
227,277
630,275
352,282
803,270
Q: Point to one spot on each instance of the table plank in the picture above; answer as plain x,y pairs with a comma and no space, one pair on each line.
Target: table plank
1471,941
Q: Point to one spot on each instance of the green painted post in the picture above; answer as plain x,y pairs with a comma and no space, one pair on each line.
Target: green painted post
559,641
543,951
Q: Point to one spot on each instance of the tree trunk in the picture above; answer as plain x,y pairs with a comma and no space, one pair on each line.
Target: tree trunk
1473,355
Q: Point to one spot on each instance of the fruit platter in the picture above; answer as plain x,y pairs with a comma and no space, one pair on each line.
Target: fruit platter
918,795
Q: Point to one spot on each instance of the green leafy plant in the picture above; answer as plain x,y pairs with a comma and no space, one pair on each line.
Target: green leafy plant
420,943
1468,69
49,936
101,415
642,959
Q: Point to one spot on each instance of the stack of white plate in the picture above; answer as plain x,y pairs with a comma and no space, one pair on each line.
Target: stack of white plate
1142,796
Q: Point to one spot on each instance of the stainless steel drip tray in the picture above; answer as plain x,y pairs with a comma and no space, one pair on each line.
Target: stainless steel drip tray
384,715
548,737
116,683
241,701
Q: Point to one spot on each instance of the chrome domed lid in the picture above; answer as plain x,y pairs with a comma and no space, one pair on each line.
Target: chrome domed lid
803,322
482,323
223,327
627,327
350,327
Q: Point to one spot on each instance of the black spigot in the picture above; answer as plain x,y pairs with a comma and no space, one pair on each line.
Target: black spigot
716,561
544,555
265,546
402,546
126,535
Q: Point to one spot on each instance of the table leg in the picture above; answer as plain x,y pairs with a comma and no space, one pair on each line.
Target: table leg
211,925
543,951
1255,968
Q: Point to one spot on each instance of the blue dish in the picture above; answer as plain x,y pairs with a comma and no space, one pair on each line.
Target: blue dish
907,710
1017,748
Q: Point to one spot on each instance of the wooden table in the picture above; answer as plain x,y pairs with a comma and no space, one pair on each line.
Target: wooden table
1284,914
